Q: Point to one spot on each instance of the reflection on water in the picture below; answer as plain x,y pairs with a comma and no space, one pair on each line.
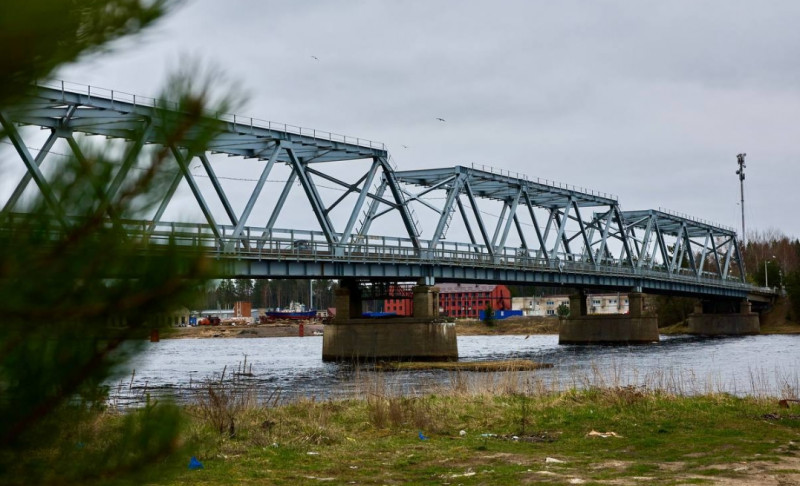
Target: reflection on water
293,365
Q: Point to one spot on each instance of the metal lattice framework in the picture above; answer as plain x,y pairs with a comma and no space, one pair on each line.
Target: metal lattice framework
546,233
681,244
550,238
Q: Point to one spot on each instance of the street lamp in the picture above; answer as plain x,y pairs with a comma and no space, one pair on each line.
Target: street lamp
740,173
766,275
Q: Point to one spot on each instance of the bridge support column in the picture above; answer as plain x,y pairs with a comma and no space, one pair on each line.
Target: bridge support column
711,319
419,338
631,328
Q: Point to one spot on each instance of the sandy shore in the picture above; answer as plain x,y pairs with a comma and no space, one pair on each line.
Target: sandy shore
515,325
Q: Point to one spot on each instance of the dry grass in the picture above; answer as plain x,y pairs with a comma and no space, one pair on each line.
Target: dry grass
498,366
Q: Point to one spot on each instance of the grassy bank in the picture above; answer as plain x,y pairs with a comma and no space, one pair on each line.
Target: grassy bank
505,428
623,436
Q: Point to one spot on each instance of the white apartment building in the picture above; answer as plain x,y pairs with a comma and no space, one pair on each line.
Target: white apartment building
611,303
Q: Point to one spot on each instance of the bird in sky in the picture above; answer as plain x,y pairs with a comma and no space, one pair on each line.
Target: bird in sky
440,119
315,58
405,146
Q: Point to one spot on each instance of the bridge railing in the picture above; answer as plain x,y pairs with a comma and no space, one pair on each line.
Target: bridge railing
288,244
303,245
123,98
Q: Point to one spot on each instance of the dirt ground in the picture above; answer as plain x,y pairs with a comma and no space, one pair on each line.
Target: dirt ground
278,329
512,325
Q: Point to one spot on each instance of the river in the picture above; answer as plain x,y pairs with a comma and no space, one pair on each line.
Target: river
292,366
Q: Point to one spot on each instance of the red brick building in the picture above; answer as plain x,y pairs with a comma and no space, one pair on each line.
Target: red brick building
459,300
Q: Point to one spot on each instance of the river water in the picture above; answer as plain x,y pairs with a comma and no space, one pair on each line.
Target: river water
292,367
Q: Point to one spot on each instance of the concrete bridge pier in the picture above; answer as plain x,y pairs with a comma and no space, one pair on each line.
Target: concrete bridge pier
721,319
631,328
422,337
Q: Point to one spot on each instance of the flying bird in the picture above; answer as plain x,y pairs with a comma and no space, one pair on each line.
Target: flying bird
440,119
315,58
405,146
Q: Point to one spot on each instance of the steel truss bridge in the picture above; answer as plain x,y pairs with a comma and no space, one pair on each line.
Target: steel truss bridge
545,233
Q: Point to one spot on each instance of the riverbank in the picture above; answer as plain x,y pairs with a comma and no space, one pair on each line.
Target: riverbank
771,323
500,434
464,327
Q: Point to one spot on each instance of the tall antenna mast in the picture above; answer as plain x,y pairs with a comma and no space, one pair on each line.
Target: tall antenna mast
740,173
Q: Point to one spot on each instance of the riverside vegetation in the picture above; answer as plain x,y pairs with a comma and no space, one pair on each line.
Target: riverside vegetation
492,428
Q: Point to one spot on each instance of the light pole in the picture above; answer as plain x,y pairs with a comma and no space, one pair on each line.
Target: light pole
766,274
740,173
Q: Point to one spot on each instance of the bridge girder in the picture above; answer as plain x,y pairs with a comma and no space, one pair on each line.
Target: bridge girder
565,235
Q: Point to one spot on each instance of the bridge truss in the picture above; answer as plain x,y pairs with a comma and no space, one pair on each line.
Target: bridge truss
545,233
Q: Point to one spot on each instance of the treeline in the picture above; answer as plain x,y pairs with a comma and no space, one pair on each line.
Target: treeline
269,293
772,258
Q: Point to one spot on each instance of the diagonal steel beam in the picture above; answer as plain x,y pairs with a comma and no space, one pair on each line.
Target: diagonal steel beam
583,231
276,211
313,196
520,233
402,205
48,144
604,237
131,156
237,231
447,210
703,254
478,218
540,251
212,176
464,218
511,217
370,215
562,226
33,168
183,164
370,176
643,252
26,178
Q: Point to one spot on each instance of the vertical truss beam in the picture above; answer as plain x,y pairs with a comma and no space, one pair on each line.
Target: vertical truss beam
313,196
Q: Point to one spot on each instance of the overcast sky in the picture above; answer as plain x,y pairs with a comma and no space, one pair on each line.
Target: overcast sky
647,100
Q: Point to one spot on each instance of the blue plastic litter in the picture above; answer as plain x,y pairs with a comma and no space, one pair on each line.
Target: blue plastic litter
422,437
195,464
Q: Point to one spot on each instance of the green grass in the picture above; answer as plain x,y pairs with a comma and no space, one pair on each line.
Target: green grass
670,439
